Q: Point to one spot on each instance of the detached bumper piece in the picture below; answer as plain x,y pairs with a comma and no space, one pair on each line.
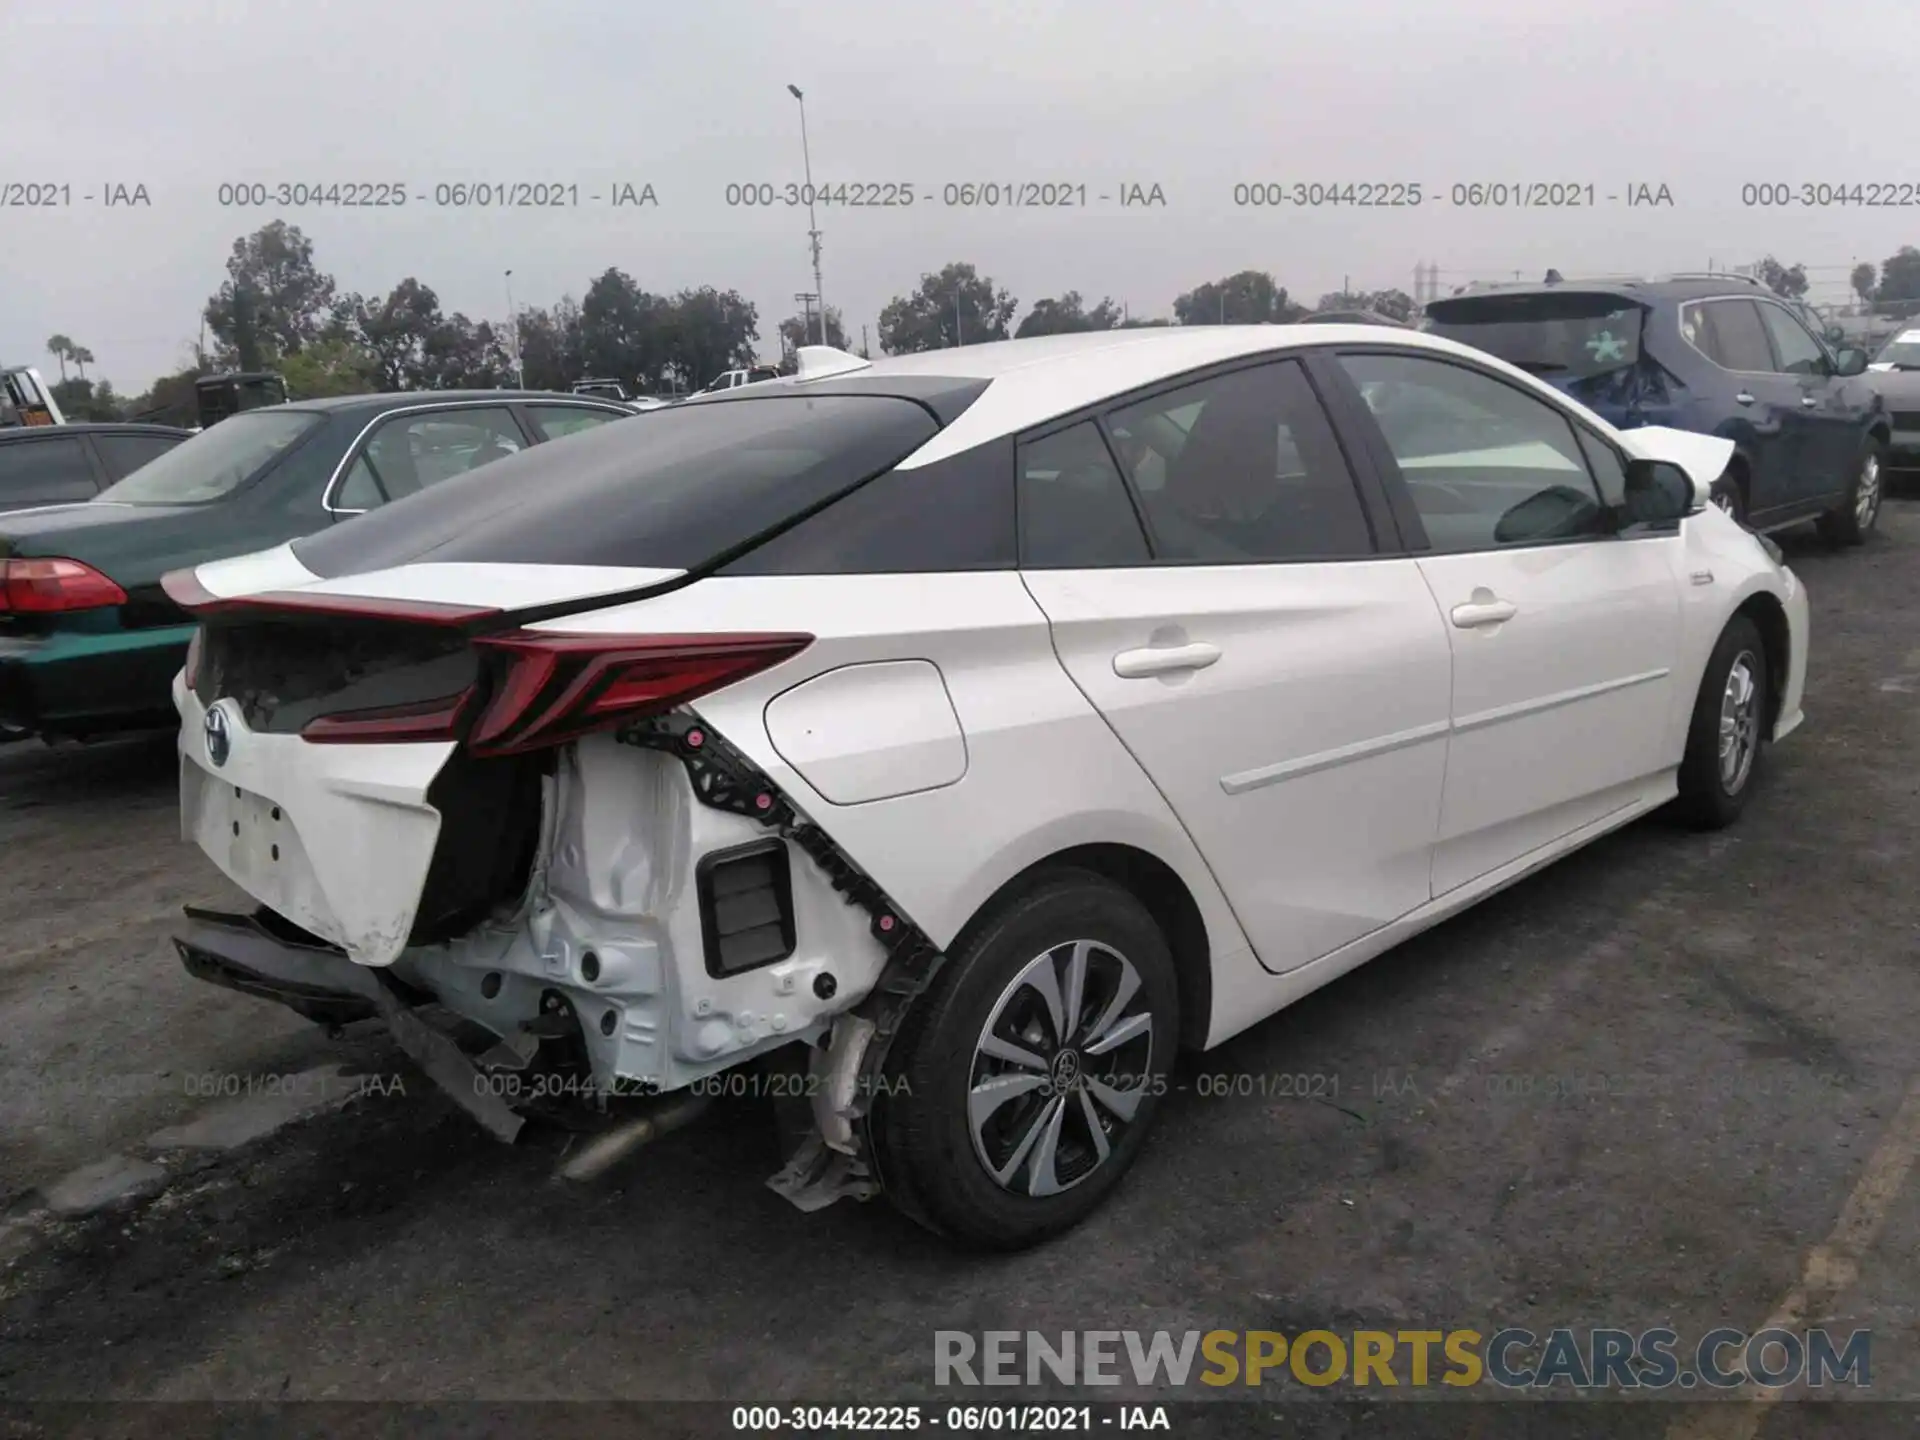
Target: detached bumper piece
255,956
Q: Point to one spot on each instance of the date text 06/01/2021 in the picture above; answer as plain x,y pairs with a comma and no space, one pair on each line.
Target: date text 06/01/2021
987,194
500,194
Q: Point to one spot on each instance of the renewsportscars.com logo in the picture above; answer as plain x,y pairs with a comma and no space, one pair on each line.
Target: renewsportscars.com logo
1515,1359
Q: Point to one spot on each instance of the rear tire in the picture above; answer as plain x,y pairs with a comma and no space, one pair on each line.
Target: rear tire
1852,520
1727,738
1009,1111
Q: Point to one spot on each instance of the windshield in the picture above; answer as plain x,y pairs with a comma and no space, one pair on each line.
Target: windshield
215,462
1902,352
1562,336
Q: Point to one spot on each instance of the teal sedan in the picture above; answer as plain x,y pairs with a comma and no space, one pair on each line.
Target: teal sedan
89,643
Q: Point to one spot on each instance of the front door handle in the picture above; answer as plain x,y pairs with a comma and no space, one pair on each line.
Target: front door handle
1743,398
1809,401
1163,660
1480,612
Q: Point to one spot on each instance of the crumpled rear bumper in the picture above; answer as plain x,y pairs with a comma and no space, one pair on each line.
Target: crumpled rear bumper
253,955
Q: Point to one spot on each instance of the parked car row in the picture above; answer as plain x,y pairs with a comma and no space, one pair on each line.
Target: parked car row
1718,355
89,643
970,730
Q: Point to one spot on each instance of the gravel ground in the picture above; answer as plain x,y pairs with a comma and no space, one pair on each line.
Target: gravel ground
1667,1082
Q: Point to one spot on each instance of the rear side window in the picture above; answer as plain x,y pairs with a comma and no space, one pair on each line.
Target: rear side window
555,421
1241,468
414,451
45,472
1566,335
125,454
686,487
955,514
1074,510
1729,333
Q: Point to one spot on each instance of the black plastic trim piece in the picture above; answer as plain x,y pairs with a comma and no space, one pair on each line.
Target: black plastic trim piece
774,849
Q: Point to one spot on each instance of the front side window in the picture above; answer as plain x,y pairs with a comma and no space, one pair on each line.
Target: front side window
1074,510
1241,468
1798,352
1486,465
217,461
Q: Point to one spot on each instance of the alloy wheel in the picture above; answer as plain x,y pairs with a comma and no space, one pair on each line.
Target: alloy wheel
1739,721
1060,1068
1866,494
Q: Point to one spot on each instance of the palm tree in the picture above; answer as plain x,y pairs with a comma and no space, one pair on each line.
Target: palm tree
60,347
82,357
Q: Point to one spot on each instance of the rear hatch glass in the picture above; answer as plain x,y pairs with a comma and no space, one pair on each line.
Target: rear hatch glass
1564,338
696,484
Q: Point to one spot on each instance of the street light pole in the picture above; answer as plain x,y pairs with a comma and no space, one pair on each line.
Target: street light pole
813,231
513,328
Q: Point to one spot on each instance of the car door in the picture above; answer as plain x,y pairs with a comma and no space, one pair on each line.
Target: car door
1281,677
1829,424
408,450
48,469
1766,421
1565,631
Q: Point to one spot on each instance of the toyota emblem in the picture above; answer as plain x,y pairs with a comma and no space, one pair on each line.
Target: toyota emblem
219,742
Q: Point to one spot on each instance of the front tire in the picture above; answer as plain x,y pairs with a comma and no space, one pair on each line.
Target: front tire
1729,493
1852,520
1022,1086
1727,737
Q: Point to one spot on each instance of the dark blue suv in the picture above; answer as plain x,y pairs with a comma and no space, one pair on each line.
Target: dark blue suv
1721,355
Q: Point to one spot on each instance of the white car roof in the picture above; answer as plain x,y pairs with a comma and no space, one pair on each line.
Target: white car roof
1036,379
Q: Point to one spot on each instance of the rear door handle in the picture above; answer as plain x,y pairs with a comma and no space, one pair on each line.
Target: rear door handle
1163,660
1809,401
1743,398
1484,612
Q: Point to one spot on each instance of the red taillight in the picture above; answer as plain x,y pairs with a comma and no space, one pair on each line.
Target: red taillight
43,587
558,687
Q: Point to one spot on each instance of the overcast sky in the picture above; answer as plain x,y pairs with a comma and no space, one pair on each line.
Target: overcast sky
1193,95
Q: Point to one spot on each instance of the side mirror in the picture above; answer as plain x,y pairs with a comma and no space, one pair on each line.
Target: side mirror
1850,361
1659,493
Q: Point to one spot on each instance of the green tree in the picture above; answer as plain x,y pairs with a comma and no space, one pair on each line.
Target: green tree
81,399
954,306
621,330
406,342
706,332
798,330
1899,277
274,302
1790,281
1068,315
1248,298
329,366
61,348
1862,280
550,346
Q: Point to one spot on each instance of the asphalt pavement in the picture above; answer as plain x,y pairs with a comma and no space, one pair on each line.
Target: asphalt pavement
1670,1081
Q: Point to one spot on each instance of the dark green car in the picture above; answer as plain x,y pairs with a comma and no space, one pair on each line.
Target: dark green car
89,644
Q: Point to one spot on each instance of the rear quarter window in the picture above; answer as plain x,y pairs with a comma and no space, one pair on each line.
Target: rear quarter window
690,486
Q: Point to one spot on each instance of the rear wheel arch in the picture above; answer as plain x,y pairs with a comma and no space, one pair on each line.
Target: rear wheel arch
1158,888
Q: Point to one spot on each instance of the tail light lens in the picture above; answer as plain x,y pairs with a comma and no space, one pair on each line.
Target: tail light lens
47,587
553,688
